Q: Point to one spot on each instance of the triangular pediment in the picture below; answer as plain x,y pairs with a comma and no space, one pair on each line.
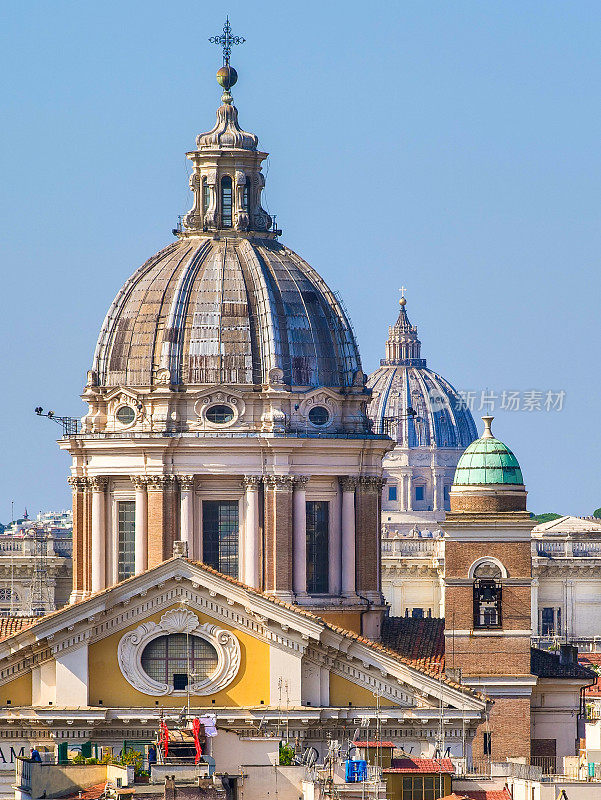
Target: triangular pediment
276,639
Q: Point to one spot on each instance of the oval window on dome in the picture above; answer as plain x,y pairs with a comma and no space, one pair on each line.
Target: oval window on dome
220,414
319,415
126,415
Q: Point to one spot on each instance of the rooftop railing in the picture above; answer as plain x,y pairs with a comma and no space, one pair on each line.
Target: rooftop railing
567,548
411,548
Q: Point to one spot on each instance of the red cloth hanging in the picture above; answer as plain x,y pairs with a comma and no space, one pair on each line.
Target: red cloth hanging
196,731
164,737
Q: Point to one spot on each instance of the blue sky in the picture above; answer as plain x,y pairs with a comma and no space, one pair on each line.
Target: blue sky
452,147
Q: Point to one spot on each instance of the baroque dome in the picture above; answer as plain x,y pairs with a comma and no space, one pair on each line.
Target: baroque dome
232,310
226,303
403,384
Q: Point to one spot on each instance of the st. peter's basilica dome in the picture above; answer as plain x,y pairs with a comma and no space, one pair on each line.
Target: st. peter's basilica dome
403,384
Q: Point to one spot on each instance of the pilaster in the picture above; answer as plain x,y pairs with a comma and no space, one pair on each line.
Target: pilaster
98,485
140,483
299,525
78,486
250,553
368,498
278,535
161,518
348,484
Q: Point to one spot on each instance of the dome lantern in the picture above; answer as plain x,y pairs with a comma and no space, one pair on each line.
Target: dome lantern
227,180
402,346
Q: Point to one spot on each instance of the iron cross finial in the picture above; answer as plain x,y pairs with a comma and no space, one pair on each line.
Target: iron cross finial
227,41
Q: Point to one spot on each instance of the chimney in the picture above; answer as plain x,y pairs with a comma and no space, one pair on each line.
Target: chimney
180,549
568,655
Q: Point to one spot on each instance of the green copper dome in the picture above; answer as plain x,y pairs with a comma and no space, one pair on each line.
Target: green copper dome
487,461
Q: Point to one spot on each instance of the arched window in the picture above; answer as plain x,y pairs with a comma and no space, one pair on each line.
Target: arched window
487,596
246,195
206,196
226,202
178,659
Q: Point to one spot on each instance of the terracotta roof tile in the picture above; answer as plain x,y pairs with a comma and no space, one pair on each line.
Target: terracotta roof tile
89,793
374,744
422,765
11,625
421,641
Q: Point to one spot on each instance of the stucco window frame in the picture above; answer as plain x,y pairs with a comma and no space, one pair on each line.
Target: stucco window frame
132,644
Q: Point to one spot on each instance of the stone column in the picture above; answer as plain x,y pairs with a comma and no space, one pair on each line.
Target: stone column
278,536
78,485
98,484
186,514
335,545
437,501
141,522
161,518
348,485
251,551
299,535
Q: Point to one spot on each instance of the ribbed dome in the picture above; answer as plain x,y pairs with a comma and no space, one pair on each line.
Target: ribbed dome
486,462
217,310
404,382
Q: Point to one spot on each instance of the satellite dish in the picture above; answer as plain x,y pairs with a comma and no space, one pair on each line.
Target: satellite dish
310,757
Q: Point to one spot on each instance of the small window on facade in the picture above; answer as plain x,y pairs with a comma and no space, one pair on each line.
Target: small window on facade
487,743
206,196
550,621
446,492
126,534
317,546
420,492
226,202
417,613
246,196
126,415
219,414
319,415
392,493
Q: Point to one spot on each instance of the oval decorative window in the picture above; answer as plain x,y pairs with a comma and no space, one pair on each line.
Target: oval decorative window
179,655
178,659
319,415
126,415
220,414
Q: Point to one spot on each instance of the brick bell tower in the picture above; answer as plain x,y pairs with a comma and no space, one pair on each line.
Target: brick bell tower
488,579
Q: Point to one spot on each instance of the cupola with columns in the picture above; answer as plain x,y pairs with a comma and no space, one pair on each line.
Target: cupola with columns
227,409
227,180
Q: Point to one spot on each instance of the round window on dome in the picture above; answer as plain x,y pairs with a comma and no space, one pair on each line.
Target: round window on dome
126,415
220,414
319,415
